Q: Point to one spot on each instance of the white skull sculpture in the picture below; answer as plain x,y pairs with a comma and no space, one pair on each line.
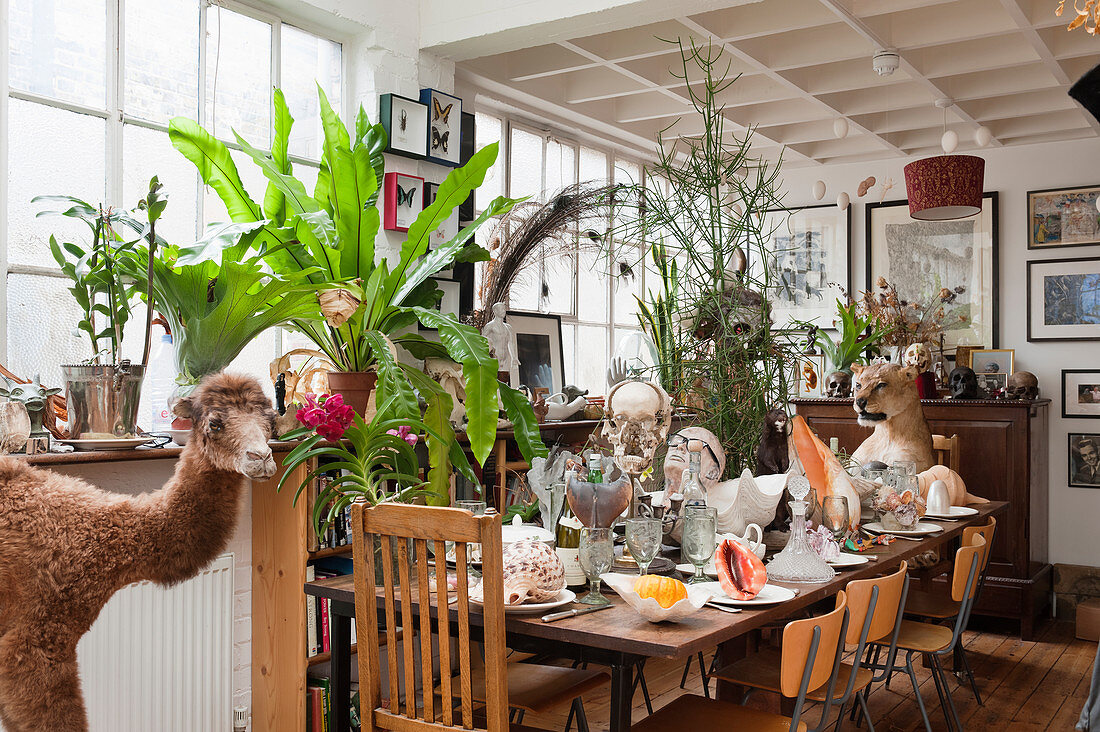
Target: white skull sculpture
638,417
918,355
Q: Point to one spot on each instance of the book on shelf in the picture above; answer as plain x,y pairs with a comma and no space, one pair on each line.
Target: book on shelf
315,710
321,687
313,646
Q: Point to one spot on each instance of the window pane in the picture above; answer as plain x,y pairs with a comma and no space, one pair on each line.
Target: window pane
255,358
561,166
59,49
162,59
560,275
213,210
308,60
592,359
569,351
593,165
627,284
146,153
38,344
51,151
524,294
627,172
592,289
487,131
238,64
525,164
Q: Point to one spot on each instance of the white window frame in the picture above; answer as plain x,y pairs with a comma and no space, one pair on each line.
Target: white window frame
116,119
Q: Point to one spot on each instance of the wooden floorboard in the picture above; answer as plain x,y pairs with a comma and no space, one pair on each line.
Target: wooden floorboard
1025,685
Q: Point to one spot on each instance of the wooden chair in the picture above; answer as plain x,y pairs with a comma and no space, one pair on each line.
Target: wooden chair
946,451
809,659
939,606
407,531
874,607
936,641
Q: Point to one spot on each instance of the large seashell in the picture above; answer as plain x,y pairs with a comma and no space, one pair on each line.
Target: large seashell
532,573
746,500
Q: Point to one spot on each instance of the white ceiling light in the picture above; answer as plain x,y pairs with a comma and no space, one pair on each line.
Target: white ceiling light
982,136
950,141
886,61
819,190
840,128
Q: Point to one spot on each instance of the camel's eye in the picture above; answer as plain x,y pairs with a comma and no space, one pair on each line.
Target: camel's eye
215,425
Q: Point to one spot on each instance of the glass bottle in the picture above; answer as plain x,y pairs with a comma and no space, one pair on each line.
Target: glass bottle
567,543
595,468
691,488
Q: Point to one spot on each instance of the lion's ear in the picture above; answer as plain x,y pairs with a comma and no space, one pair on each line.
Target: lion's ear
857,369
911,372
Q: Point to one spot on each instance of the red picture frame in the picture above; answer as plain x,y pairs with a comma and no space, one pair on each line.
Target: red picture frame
403,200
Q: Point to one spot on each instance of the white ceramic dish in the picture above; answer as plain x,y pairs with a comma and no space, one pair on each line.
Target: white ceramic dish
565,596
126,443
956,512
648,608
847,560
770,595
921,529
180,437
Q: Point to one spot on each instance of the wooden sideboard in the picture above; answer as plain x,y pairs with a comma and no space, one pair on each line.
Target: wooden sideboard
1003,456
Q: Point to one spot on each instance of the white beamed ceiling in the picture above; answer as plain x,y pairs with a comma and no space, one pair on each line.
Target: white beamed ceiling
1007,64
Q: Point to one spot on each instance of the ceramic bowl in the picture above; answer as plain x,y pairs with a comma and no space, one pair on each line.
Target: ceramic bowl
180,437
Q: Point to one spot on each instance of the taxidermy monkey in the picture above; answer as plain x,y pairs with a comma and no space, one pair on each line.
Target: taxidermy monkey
771,454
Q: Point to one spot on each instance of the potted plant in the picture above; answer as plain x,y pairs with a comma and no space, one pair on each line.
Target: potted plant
363,304
859,333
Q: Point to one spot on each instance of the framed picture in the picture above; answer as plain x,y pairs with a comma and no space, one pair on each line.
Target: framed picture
992,384
810,253
1084,460
922,257
449,228
1063,300
406,124
403,202
993,361
1063,217
538,343
469,142
1081,393
810,375
444,134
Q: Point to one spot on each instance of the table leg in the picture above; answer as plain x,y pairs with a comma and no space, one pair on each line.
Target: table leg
340,643
622,688
728,652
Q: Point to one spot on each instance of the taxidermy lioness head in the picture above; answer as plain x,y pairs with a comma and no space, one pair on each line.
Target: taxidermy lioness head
883,390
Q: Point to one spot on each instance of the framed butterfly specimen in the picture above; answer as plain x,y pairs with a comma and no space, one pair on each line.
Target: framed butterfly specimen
403,201
406,123
444,133
449,228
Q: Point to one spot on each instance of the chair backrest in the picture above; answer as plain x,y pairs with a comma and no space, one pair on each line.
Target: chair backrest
401,534
968,565
986,533
880,622
810,649
946,451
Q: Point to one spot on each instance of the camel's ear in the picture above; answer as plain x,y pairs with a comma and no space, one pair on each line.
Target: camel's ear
184,408
857,369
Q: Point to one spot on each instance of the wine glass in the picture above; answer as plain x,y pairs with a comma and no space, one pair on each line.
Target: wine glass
597,554
834,516
477,508
699,539
643,538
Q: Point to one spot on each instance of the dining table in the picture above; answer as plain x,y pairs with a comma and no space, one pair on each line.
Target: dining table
621,639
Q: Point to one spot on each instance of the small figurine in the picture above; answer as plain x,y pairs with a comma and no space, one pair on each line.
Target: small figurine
35,397
772,456
964,383
502,339
919,356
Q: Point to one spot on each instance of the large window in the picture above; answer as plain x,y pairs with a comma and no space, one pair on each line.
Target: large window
593,291
92,85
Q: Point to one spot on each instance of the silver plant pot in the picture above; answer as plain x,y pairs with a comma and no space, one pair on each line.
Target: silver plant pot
103,400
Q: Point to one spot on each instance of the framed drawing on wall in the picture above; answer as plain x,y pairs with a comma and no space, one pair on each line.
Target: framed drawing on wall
921,257
444,135
1063,300
1081,393
1063,217
406,124
1084,460
810,257
541,358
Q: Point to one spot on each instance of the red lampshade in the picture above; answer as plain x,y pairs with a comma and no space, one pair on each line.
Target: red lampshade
945,187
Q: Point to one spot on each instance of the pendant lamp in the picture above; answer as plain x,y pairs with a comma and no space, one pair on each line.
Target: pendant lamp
945,187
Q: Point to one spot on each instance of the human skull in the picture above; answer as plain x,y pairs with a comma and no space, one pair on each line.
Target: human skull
838,385
964,383
1022,385
918,355
637,420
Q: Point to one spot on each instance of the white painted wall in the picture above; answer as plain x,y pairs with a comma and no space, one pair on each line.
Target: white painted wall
1012,171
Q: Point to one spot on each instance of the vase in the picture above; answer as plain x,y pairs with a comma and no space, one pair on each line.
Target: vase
357,388
102,401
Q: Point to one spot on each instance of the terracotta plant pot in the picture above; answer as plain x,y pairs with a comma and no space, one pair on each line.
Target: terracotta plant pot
357,388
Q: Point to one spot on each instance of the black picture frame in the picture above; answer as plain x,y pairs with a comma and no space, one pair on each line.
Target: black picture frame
539,324
995,257
1077,468
1032,336
446,127
1076,385
1030,213
469,144
415,147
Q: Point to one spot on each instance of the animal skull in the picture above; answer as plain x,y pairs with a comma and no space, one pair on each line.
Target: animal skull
918,355
964,383
1022,385
838,385
638,417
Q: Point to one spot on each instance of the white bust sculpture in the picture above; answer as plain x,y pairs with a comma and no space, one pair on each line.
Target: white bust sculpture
502,340
712,461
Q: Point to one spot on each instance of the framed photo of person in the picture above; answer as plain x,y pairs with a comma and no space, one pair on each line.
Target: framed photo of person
538,344
1081,393
1063,300
993,360
810,375
444,135
406,123
1084,460
1063,217
403,202
992,384
922,257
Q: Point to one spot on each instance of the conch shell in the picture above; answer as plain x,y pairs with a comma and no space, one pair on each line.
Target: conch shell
532,573
956,488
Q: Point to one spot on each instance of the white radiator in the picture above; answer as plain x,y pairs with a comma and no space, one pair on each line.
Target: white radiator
162,659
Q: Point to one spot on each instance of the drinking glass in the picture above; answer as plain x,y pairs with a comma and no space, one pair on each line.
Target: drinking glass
477,508
834,516
643,538
876,475
597,554
699,539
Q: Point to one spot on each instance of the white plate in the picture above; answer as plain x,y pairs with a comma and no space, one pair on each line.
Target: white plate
125,443
564,597
921,529
689,569
770,595
848,560
955,512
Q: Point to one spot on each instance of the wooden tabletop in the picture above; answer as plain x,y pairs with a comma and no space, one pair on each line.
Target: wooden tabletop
624,630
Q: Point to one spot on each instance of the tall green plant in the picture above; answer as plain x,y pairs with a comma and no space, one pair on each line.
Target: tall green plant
858,334
658,319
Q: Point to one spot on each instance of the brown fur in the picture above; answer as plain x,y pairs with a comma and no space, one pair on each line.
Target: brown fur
885,396
66,547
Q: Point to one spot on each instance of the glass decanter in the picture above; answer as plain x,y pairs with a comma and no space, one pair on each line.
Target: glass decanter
798,562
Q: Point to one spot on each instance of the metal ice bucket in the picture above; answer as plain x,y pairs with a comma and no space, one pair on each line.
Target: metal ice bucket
103,400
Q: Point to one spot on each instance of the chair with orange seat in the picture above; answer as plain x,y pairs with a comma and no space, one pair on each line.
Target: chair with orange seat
936,641
874,607
810,656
